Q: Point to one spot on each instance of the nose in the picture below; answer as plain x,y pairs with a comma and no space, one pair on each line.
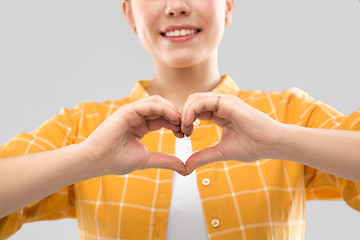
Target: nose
175,8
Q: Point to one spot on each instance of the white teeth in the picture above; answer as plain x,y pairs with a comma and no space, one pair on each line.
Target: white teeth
180,33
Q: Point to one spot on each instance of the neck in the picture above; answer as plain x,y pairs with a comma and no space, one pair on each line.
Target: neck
176,84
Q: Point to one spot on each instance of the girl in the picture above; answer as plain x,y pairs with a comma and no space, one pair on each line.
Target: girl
108,163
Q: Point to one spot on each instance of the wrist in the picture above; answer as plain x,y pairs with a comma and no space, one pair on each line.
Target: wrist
282,146
91,165
287,147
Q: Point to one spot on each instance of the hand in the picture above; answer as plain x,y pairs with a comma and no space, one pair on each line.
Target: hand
115,147
248,134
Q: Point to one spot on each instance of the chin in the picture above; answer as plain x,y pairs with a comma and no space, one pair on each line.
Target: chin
183,62
181,65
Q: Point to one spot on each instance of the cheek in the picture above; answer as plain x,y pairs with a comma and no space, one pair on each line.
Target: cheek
146,21
213,15
214,21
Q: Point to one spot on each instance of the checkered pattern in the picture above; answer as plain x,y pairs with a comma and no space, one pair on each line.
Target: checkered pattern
260,200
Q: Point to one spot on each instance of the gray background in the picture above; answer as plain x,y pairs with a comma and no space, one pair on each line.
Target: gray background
54,54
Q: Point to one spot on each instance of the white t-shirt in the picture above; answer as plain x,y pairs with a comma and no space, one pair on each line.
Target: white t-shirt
186,216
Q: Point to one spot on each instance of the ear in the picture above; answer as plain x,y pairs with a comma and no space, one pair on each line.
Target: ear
229,11
126,9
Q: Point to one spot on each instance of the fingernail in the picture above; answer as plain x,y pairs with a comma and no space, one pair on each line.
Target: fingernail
183,122
187,172
181,173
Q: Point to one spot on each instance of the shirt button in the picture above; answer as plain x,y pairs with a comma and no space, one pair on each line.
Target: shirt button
206,181
197,122
215,222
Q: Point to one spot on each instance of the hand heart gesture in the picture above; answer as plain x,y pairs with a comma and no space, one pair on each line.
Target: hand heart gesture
115,147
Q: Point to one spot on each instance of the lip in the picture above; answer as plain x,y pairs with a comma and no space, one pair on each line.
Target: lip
178,27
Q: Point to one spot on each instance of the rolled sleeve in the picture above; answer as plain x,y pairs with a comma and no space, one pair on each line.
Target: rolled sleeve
55,133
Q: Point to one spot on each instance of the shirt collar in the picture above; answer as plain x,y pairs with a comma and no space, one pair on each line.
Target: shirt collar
226,86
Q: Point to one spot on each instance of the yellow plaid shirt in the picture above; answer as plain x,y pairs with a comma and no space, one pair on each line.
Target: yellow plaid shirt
260,200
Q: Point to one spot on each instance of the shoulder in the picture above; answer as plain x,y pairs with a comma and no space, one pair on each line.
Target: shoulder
86,114
289,95
104,108
292,105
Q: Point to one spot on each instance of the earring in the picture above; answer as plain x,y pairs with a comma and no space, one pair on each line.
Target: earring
228,19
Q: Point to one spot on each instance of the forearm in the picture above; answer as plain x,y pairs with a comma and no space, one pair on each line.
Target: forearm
333,151
29,178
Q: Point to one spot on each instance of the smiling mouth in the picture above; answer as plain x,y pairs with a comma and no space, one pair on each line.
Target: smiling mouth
180,32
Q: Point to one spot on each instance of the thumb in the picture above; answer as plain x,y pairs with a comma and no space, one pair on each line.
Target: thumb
203,157
166,161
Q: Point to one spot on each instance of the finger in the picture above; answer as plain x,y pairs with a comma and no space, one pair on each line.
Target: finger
199,103
187,130
157,99
203,157
151,107
154,116
209,116
165,161
205,116
161,122
178,134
